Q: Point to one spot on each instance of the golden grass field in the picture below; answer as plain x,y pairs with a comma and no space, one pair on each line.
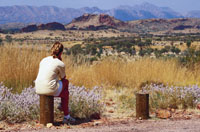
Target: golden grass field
19,67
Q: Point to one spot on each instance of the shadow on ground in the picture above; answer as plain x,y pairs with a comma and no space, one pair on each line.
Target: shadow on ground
78,122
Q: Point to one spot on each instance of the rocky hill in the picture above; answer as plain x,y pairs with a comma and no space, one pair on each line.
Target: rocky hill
94,22
103,21
164,25
48,26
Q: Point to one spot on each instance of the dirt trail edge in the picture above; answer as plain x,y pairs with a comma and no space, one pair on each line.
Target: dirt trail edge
151,125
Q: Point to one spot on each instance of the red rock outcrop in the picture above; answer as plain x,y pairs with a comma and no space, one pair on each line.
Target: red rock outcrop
48,26
94,22
30,28
51,26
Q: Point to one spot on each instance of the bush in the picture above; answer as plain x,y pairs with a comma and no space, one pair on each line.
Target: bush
8,38
76,49
127,101
15,108
1,40
162,96
84,103
18,107
188,43
190,57
142,52
175,50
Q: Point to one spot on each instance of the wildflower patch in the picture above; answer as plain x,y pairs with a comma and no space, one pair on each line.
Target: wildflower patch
15,108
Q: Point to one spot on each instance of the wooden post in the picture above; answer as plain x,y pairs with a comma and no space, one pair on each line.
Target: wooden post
142,106
46,109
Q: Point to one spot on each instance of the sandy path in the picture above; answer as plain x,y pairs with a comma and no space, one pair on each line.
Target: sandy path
192,125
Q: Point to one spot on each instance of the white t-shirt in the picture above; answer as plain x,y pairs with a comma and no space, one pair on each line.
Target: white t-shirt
47,81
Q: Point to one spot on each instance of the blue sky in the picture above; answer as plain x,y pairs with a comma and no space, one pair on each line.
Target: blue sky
177,5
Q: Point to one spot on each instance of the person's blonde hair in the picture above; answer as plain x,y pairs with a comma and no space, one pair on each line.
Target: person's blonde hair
56,49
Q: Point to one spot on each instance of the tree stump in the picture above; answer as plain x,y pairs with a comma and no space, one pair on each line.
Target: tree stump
46,109
142,106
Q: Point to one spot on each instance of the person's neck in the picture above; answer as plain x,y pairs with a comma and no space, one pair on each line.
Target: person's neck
58,57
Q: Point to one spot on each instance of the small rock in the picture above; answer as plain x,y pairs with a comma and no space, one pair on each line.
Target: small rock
163,114
173,110
97,123
187,117
49,125
111,111
108,104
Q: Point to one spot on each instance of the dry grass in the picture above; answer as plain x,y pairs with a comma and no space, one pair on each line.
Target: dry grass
19,67
118,73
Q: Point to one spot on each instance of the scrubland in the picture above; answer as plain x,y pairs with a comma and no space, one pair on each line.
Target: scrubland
118,78
19,67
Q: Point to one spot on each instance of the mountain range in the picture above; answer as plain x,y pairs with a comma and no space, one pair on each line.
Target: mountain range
45,14
104,21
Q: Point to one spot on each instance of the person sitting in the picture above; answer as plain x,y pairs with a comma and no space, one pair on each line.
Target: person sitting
51,79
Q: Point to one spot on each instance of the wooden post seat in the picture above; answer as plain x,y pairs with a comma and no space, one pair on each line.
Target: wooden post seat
46,109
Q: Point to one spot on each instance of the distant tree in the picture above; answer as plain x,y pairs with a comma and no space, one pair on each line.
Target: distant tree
1,40
93,50
148,42
157,53
149,51
163,50
142,52
76,49
158,39
132,51
128,45
167,48
175,50
188,43
141,45
93,59
50,34
8,38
